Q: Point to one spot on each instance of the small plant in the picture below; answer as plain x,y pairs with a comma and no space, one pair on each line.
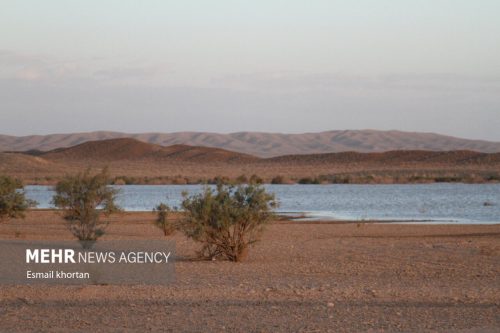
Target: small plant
254,179
308,180
13,202
84,198
219,180
226,221
162,222
278,180
119,181
242,179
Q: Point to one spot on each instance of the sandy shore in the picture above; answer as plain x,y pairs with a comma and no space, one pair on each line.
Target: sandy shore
302,277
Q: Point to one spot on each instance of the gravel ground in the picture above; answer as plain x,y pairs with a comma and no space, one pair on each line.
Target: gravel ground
302,277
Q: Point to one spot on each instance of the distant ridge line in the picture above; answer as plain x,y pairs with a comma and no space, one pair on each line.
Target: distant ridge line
263,144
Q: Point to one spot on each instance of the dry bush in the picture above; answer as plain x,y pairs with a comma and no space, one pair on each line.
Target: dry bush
226,221
13,202
254,179
278,180
162,222
83,198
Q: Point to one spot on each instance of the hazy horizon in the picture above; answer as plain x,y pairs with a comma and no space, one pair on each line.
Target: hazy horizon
262,66
235,132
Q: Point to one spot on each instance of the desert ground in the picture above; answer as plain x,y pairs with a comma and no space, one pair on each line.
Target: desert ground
301,277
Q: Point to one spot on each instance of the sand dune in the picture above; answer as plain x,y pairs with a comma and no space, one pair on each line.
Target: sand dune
266,144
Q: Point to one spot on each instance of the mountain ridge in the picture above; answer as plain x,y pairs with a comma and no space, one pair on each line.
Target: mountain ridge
264,144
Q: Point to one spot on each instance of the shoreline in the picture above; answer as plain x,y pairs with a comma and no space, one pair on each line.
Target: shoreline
284,218
53,182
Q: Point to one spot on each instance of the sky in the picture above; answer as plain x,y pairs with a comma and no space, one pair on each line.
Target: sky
239,65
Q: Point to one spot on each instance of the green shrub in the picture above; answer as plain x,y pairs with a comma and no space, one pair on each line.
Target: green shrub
13,202
226,221
162,222
84,198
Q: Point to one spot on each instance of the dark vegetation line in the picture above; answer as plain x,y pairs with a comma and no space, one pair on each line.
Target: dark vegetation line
396,177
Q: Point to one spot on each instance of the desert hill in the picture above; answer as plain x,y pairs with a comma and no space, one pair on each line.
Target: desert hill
266,144
135,150
135,162
29,167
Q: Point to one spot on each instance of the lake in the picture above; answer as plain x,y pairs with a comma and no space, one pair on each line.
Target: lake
429,203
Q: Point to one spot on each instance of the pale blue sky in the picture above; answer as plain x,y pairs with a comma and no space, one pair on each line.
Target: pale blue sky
232,65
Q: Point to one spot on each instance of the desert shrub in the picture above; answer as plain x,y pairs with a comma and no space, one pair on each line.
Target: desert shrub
339,179
119,181
416,179
308,180
493,177
368,179
13,202
278,180
129,180
254,179
242,179
162,222
179,180
226,221
305,180
219,180
84,198
447,179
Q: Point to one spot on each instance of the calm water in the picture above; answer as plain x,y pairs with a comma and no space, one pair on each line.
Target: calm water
442,203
